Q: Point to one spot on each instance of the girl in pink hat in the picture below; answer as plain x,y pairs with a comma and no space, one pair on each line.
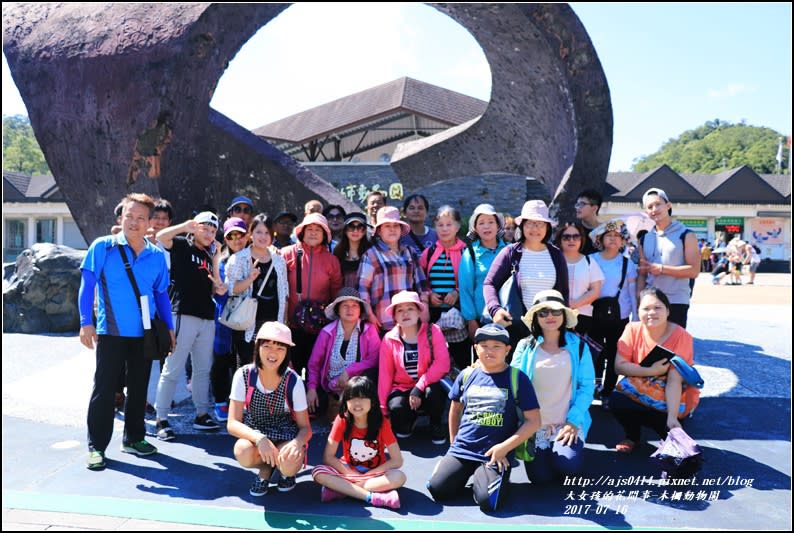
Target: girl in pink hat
268,412
388,268
413,360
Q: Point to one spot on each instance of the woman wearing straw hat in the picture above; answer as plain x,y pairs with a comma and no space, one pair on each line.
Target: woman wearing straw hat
620,277
348,346
388,268
560,367
532,264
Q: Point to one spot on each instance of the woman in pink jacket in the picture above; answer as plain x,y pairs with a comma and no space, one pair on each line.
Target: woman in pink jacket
413,360
349,346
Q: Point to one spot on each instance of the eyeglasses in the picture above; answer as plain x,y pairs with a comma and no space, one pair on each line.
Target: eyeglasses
571,236
356,227
582,204
234,236
535,223
543,313
335,216
242,209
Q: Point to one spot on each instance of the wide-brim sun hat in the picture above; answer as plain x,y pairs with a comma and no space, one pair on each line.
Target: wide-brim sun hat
485,209
616,224
550,299
390,214
313,218
534,210
345,293
406,297
275,331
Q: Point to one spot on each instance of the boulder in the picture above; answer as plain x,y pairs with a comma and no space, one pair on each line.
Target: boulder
41,294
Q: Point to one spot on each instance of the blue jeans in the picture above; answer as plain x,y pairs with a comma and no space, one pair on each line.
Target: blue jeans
556,461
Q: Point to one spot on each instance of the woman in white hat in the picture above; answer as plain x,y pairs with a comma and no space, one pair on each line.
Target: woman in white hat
486,229
348,346
532,264
320,280
268,412
388,268
618,292
560,367
413,360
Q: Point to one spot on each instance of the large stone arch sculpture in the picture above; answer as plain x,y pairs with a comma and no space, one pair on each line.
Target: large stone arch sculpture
118,96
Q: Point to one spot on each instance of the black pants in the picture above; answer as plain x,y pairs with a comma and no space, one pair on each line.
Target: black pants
300,353
111,355
678,314
607,333
460,352
403,417
451,474
517,330
243,351
223,367
632,416
584,324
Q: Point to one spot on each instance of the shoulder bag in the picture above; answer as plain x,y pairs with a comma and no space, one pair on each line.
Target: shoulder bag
239,313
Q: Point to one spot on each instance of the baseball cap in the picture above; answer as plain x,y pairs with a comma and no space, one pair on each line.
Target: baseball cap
207,217
492,332
234,224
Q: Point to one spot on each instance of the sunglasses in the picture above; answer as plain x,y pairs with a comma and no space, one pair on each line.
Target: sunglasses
242,209
582,204
234,236
356,227
335,216
543,313
571,236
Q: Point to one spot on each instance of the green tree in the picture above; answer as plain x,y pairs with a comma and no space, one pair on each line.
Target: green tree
21,152
717,146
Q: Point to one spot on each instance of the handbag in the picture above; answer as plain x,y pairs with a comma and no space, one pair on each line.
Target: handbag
309,315
678,455
509,297
649,391
239,313
157,338
452,325
688,373
607,308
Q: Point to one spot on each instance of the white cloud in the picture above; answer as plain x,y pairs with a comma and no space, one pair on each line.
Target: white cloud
731,90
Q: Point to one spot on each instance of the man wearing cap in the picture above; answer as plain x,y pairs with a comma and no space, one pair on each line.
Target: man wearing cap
669,256
118,334
283,225
195,281
241,207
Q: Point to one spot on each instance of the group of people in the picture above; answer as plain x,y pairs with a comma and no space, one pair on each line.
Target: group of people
729,262
372,321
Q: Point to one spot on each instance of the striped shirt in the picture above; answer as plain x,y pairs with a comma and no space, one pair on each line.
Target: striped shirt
442,277
536,273
411,359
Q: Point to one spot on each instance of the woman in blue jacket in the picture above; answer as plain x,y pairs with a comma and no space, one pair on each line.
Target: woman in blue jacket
561,370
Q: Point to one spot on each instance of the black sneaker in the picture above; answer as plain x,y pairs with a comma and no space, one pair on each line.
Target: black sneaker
259,486
438,434
286,483
205,423
164,430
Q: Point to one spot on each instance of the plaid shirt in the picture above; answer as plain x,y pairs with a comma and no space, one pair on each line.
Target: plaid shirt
399,271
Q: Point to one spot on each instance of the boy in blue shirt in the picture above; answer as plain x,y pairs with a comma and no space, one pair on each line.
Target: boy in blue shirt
484,425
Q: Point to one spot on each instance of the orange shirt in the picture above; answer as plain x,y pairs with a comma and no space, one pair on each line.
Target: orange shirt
635,344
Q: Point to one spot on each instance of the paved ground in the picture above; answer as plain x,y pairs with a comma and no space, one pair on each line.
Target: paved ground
743,350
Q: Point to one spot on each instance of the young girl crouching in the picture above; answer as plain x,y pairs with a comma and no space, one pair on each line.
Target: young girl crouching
363,472
268,412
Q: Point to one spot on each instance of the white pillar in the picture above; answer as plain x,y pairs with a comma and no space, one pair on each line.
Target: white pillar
31,232
59,230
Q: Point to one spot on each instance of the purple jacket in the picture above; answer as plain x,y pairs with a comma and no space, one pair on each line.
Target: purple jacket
502,266
320,360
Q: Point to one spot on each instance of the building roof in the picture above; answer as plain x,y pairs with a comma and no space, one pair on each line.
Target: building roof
405,95
19,187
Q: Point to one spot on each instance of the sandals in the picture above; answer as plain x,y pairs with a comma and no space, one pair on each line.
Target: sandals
625,446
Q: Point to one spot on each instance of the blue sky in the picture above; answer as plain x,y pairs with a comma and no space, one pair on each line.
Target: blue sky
670,67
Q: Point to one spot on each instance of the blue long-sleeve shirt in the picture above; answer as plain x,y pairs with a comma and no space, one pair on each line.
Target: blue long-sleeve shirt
471,278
